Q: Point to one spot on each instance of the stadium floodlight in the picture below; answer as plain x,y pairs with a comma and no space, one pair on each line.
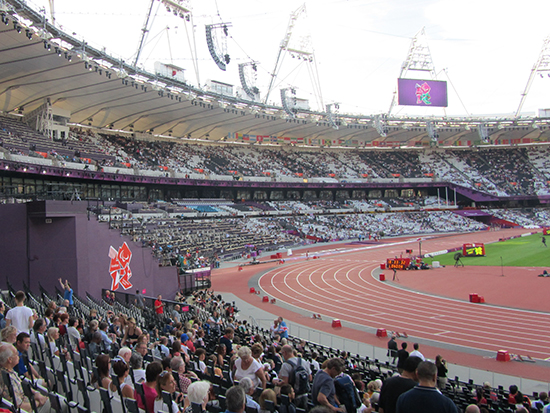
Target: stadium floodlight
221,57
542,65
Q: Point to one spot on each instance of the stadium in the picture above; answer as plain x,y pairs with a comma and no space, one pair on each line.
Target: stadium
119,177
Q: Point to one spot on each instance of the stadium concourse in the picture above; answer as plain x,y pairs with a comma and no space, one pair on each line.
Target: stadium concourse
341,281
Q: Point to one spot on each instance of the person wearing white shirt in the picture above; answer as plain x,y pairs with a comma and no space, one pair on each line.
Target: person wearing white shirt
416,353
20,316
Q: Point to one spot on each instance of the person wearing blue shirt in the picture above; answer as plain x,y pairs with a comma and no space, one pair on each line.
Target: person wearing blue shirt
282,329
68,291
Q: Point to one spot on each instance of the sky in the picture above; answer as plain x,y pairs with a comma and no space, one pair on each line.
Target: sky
484,49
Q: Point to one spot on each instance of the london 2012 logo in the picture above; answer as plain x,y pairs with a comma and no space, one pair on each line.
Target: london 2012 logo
120,267
423,93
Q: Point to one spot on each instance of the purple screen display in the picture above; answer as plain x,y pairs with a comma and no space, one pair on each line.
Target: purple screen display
417,92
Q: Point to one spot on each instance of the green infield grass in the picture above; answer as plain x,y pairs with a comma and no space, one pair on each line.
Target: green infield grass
518,252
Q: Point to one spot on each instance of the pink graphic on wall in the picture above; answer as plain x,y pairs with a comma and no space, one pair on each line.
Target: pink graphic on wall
120,267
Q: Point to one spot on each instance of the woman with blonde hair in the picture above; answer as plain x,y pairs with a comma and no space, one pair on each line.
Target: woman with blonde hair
131,332
247,366
9,334
51,337
267,394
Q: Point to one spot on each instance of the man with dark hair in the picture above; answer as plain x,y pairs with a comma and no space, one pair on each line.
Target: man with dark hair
397,385
417,353
323,390
512,396
392,348
149,387
402,355
425,397
227,340
235,400
22,344
20,316
139,300
159,307
106,338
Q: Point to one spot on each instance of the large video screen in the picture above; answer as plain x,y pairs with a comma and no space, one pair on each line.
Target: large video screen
418,92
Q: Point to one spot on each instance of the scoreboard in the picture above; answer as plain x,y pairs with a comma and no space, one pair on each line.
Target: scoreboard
473,250
398,263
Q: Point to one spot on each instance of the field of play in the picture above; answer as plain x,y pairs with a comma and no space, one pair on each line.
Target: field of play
526,251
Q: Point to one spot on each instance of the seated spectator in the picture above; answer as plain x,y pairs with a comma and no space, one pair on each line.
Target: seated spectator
9,334
288,390
167,383
8,360
103,364
152,373
198,392
37,335
177,364
249,389
94,348
52,337
136,362
267,394
122,370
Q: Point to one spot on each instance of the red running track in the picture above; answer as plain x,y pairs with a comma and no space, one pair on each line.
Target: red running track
343,287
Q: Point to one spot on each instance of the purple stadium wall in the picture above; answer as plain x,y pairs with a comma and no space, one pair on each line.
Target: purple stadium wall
62,242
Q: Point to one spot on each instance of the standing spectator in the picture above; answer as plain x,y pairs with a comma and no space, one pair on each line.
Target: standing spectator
246,366
416,353
402,355
397,385
282,329
176,315
441,365
323,391
159,307
139,301
2,317
20,316
392,348
287,373
67,291
425,397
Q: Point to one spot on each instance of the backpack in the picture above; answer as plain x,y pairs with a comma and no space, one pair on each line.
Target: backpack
299,378
347,392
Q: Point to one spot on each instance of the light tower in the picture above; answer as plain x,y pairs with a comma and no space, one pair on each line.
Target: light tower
299,48
542,65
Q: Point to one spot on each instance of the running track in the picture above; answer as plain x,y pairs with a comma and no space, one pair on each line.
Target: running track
340,284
